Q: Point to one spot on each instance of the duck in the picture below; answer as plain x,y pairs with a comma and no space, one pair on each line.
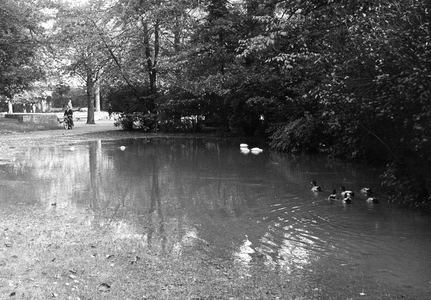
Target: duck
345,193
365,191
122,148
315,188
372,200
256,150
245,150
243,145
347,199
334,195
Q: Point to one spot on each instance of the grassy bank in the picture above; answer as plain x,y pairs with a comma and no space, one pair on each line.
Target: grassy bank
10,126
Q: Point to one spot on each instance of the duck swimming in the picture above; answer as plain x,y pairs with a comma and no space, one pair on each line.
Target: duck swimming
365,191
245,150
347,199
256,150
334,195
372,200
345,193
315,188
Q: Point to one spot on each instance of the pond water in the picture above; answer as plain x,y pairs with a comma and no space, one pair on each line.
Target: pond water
249,209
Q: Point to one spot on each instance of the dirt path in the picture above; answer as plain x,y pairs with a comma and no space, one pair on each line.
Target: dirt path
17,139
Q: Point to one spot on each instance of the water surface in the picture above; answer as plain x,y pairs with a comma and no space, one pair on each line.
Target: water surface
181,194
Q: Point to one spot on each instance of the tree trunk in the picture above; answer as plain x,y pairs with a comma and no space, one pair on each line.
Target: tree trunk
177,34
151,61
156,57
97,96
148,57
10,107
90,99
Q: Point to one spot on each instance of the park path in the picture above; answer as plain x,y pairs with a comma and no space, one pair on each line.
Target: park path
12,144
80,128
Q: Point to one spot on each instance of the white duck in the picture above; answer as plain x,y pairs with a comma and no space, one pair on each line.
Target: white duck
256,150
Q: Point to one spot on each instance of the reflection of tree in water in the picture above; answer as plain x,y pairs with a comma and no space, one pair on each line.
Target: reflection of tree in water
94,157
159,190
155,212
48,175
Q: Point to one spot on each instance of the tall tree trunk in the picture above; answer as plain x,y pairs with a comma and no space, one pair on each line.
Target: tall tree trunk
10,107
90,99
97,96
148,57
177,33
151,62
156,57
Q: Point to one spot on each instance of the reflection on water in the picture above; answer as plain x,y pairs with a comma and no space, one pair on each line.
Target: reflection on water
185,195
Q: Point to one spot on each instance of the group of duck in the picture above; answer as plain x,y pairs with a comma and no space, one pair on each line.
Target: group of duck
245,150
346,195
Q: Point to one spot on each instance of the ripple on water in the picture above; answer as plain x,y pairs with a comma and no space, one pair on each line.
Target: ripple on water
353,236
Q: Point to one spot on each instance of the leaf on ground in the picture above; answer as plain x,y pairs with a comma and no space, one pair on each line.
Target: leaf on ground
135,260
103,287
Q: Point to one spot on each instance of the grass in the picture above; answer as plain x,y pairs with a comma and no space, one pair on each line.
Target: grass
11,126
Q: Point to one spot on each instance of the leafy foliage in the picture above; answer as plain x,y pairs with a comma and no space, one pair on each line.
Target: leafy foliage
137,120
19,29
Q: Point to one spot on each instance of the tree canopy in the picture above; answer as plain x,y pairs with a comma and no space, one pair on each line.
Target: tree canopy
20,24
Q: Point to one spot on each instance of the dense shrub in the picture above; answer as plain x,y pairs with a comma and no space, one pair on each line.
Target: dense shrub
126,99
303,134
409,185
142,121
185,115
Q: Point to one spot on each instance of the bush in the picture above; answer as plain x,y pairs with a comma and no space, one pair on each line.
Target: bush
126,100
142,121
303,134
182,115
409,186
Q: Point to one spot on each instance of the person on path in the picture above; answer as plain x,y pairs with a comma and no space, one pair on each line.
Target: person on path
68,112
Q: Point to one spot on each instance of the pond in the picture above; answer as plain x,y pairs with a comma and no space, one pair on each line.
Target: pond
249,209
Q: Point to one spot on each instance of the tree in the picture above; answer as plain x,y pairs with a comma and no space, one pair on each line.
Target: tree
62,89
20,26
77,37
